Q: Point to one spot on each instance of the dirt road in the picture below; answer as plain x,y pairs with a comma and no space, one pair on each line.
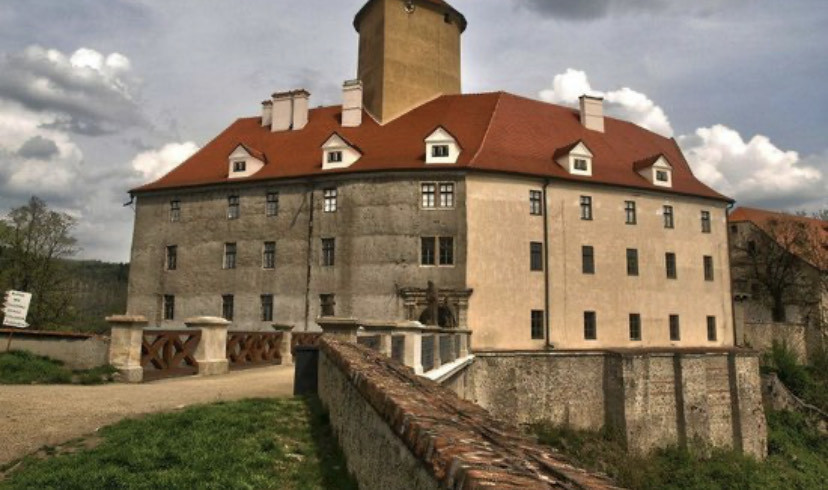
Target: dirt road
34,416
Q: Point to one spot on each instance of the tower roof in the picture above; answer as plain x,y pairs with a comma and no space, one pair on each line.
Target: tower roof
440,5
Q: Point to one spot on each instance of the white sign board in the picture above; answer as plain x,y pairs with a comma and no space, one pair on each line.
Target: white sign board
15,309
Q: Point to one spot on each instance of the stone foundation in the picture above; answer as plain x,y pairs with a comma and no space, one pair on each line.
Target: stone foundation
655,399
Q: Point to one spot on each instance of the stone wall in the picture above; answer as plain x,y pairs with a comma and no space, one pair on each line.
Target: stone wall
800,339
655,399
399,431
76,351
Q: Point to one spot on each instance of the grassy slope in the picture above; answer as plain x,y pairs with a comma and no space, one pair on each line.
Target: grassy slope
798,459
253,444
20,367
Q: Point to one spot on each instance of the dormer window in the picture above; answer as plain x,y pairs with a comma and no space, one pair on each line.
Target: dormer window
245,161
657,170
442,147
575,159
334,157
440,151
339,153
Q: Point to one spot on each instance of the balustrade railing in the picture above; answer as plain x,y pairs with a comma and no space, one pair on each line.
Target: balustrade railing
253,349
169,353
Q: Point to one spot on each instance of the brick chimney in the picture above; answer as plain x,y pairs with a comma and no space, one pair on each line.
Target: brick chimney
267,113
592,112
290,110
282,117
352,104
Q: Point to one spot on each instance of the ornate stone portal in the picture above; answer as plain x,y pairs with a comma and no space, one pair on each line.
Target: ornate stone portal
447,308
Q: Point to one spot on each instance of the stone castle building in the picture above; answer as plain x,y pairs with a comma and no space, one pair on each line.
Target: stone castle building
541,226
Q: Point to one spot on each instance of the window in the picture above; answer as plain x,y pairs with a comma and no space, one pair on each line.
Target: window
272,205
586,207
428,192
670,265
440,151
447,195
227,307
711,328
536,256
267,308
427,250
172,257
635,326
668,217
590,326
535,204
734,229
446,251
581,164
330,200
708,268
587,259
175,211
662,176
334,157
229,255
169,307
632,262
629,210
328,252
751,247
705,221
537,325
239,166
269,255
233,207
675,329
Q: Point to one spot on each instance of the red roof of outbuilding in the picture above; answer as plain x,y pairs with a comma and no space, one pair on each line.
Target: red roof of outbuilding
813,247
497,131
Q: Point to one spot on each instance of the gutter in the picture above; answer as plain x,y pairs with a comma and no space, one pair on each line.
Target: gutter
730,271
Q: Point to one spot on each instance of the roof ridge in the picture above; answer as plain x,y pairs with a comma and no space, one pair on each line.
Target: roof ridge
488,128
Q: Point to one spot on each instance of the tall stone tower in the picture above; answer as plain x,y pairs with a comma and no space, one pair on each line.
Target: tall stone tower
409,53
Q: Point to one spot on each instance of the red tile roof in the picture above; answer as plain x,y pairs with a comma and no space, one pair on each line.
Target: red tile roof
816,229
497,131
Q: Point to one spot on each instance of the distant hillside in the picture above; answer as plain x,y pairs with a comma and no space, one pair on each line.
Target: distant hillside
97,290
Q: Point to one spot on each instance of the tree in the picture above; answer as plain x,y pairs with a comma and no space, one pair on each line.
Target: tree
33,240
781,257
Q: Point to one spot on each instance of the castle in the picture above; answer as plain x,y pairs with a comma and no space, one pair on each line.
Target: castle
542,227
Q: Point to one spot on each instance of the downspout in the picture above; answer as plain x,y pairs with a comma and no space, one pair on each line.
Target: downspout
309,255
546,263
730,267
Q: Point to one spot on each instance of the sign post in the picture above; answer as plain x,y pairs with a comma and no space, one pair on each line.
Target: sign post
15,310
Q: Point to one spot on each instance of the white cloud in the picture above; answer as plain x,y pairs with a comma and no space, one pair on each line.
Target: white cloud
754,170
154,164
86,92
751,170
624,103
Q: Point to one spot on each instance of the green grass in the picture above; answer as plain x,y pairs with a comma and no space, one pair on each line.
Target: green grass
252,444
810,383
21,367
798,459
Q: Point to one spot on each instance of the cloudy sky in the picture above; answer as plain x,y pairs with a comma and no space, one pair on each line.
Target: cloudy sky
99,96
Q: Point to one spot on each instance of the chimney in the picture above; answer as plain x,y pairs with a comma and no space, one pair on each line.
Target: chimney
301,105
282,114
267,113
592,112
352,104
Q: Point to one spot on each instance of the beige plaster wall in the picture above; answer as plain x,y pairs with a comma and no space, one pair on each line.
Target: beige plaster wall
405,58
500,229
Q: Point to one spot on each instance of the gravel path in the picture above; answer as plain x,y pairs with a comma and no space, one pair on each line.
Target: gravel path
34,416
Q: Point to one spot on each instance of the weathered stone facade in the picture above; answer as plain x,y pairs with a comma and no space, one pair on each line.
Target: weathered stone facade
377,227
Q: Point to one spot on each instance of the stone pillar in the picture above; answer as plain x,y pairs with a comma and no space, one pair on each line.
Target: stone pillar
287,339
739,321
413,355
211,352
127,333
751,431
462,313
463,336
344,329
